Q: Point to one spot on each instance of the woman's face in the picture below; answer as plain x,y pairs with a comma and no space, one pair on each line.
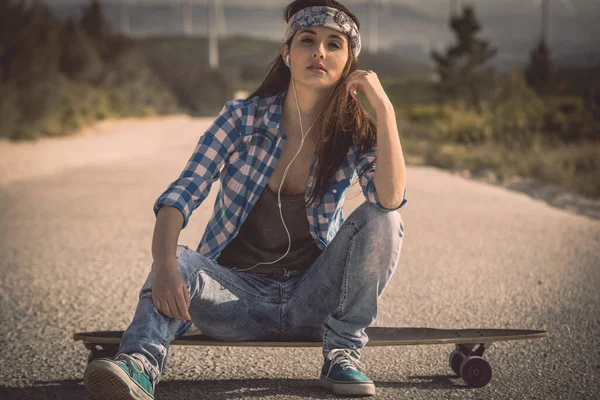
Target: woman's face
318,44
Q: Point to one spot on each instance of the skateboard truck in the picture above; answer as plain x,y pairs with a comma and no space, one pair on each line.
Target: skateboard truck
101,350
467,362
467,349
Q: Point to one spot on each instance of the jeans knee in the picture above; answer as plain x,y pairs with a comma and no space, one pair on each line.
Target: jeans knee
383,221
187,260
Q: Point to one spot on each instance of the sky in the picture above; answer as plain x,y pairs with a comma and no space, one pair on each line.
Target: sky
413,27
430,6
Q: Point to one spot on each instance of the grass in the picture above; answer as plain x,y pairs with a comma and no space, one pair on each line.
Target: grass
573,167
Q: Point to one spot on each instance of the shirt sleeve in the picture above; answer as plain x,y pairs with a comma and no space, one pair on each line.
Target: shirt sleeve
365,168
203,168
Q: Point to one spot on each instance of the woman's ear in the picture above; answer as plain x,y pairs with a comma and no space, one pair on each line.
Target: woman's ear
284,52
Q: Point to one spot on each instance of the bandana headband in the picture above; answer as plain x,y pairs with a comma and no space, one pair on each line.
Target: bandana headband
328,17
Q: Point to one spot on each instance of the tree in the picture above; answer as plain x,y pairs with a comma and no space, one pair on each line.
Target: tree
539,71
95,23
79,59
462,69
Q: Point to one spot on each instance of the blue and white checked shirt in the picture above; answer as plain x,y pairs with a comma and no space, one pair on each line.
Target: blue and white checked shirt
241,148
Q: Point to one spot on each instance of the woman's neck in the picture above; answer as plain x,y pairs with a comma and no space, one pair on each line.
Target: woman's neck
311,103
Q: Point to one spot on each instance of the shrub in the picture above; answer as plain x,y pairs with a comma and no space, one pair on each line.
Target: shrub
426,114
516,112
9,111
567,120
79,58
461,125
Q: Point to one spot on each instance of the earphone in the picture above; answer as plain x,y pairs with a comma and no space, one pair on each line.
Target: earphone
287,62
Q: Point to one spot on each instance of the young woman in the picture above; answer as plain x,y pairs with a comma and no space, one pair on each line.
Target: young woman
278,260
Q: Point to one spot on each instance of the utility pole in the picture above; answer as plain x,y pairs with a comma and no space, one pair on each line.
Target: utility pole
220,17
188,18
124,19
546,8
455,7
373,10
546,22
213,44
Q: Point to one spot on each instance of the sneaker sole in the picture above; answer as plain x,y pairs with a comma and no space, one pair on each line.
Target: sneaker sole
349,389
105,380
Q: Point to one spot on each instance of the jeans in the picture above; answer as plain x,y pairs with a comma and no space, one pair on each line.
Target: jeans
334,300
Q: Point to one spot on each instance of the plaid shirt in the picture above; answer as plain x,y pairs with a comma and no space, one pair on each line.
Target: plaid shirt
241,148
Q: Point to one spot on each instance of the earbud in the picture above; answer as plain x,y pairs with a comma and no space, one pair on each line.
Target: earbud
287,60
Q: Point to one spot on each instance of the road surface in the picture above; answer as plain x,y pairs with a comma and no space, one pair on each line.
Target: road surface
76,228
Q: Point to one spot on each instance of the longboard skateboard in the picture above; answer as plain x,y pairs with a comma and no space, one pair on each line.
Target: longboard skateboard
465,360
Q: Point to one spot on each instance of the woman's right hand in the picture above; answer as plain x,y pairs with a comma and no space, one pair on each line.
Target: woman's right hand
169,292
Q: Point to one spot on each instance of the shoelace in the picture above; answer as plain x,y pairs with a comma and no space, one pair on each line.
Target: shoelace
344,358
130,361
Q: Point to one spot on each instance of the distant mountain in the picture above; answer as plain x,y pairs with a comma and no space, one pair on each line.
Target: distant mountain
405,30
251,57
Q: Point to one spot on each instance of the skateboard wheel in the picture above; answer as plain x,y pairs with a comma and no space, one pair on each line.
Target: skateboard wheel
476,371
454,361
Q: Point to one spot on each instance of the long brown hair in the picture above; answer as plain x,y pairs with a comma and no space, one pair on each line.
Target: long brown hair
341,120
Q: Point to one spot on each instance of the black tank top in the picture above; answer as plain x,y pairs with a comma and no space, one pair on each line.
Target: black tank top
263,238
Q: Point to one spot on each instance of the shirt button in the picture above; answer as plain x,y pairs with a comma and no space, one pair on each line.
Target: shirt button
334,190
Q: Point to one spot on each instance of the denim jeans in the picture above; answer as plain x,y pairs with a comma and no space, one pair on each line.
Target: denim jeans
334,300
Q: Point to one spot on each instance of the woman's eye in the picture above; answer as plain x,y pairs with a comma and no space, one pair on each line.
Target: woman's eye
308,40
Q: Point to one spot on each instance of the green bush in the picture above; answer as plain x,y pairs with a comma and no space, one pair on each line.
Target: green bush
461,125
56,78
426,114
567,120
38,102
516,112
135,86
9,111
79,58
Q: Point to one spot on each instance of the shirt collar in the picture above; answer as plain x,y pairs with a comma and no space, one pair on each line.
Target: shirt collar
272,116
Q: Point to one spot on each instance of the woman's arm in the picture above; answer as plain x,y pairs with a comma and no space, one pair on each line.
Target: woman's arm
389,178
390,173
203,167
166,235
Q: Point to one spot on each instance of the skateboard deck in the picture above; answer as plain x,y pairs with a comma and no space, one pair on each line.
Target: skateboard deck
465,360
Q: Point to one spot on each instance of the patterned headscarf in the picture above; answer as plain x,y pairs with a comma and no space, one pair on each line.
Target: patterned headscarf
328,17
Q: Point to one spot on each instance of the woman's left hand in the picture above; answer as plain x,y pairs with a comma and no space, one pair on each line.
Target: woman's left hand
368,83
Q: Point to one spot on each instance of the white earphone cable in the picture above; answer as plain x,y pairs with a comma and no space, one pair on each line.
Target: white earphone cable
286,170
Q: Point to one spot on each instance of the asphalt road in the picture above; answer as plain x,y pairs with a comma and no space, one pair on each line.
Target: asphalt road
75,249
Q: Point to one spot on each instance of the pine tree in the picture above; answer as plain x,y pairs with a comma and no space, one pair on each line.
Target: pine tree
79,59
94,22
539,70
462,69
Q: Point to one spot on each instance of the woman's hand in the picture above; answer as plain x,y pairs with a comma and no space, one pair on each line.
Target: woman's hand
368,83
169,292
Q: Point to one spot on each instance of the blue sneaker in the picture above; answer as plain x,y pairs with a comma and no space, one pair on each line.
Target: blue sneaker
118,378
343,374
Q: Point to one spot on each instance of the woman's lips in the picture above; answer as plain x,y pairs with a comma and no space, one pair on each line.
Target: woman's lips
316,70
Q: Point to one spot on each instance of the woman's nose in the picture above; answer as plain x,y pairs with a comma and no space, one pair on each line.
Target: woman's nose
320,51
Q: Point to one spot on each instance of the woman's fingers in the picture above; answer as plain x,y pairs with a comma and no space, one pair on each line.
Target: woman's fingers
167,309
174,304
179,306
157,304
174,307
182,310
186,299
186,296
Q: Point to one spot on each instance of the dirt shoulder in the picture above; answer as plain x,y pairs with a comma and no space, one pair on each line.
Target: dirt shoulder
101,143
113,140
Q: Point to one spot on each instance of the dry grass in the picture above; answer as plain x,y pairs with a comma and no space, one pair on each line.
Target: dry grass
574,167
